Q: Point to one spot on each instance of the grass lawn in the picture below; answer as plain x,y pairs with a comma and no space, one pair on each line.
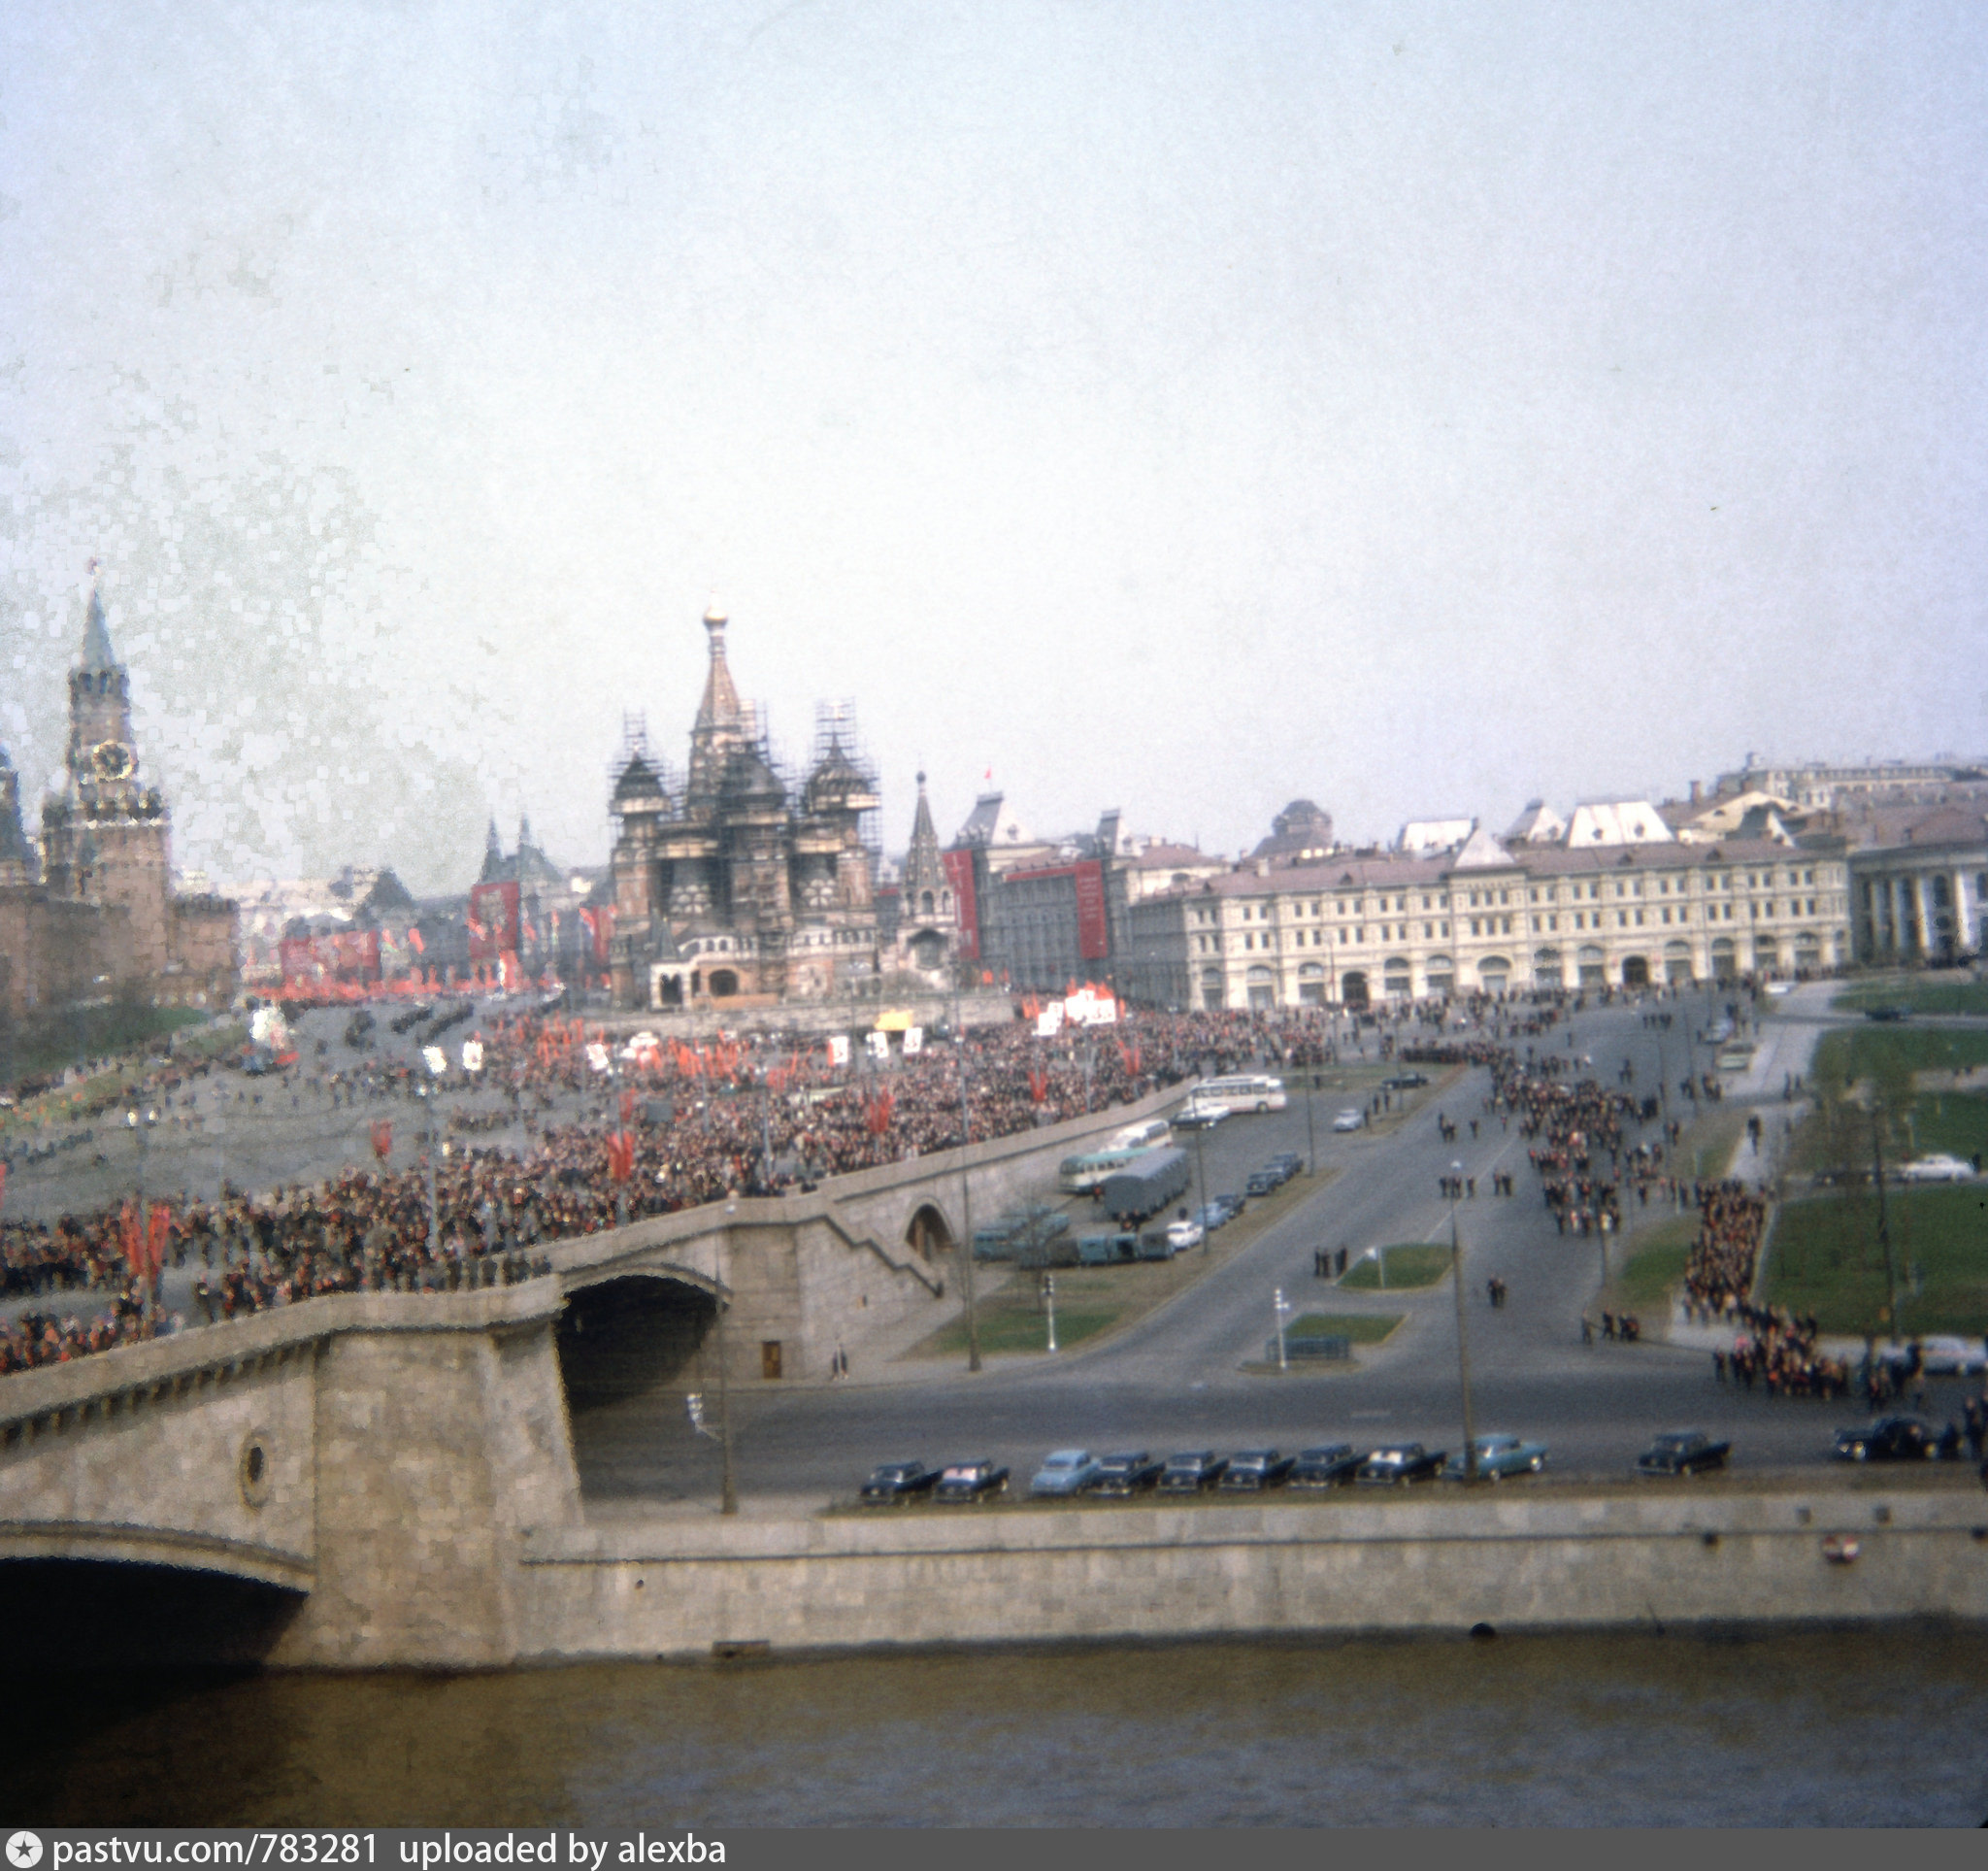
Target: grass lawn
1938,994
1414,1264
1953,1122
55,1041
1825,1259
1855,1053
1011,1323
1363,1328
1656,1265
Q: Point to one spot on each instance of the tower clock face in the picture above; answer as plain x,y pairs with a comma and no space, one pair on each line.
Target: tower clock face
111,759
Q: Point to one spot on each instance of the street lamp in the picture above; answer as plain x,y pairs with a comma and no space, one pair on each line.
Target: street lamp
728,1491
1463,1346
966,1191
1280,1309
1049,1294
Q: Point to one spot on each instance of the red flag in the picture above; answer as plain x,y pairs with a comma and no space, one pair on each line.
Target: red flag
131,1238
382,1138
159,1224
420,948
877,1112
620,1156
1039,1083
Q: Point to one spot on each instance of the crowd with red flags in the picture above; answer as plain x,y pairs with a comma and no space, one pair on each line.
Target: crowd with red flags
695,1122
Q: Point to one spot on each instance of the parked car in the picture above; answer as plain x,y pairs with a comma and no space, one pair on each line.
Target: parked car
1682,1452
1939,1354
1286,1162
1937,1168
1351,1119
1264,1182
1890,1439
1126,1473
895,1484
1064,1471
1184,1234
1190,1473
1499,1456
1218,1213
1256,1469
1230,1205
1887,1014
1400,1463
1331,1464
1406,1080
970,1480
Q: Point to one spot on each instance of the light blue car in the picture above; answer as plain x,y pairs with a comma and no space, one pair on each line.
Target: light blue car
1499,1456
1065,1471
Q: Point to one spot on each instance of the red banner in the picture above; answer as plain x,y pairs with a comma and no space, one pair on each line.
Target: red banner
493,921
600,925
959,873
350,954
1093,930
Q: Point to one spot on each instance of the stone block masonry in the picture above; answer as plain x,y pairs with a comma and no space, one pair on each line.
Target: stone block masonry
1670,1560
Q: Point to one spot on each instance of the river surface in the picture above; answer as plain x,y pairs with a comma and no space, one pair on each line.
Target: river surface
1837,1728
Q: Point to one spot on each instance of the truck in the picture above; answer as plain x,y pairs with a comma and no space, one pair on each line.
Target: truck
1146,1186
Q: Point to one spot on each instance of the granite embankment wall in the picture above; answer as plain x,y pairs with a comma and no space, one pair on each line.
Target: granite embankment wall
1670,1558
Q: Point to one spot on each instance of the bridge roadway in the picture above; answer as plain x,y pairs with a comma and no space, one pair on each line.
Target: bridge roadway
1178,1378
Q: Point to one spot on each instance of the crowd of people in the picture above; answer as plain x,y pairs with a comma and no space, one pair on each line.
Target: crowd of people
678,1126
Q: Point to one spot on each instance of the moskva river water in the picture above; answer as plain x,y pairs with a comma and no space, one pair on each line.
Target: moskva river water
1833,1729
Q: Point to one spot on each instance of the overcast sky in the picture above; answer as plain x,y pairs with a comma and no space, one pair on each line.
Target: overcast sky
1178,408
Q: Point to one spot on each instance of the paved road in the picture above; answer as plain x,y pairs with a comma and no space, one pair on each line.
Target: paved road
1177,1379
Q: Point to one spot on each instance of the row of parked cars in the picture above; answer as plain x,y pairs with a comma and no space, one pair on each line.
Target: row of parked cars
1274,1173
1068,1473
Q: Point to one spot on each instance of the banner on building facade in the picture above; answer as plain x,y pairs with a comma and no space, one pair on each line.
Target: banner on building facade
1093,928
493,921
959,873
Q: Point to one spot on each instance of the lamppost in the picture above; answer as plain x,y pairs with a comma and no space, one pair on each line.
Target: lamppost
1201,1183
1280,1309
966,1191
1310,1126
728,1490
1463,1345
1049,1294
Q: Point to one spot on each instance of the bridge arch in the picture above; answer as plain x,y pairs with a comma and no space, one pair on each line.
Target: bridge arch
636,1331
929,1235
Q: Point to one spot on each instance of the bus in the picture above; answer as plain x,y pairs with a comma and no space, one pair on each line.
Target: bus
1245,1091
1085,1175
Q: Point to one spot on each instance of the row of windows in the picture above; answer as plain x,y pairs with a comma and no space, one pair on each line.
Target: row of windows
1625,890
1665,915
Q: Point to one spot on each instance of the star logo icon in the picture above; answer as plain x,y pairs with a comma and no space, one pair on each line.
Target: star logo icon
23,1851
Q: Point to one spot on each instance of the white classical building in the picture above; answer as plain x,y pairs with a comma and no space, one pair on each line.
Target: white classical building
1488,919
1920,892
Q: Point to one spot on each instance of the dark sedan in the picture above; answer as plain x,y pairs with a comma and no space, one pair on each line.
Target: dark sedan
1682,1452
1894,1439
970,1480
1400,1463
1256,1469
895,1484
1330,1465
1190,1473
1125,1473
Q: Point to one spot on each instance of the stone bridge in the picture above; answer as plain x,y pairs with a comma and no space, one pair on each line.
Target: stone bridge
358,1473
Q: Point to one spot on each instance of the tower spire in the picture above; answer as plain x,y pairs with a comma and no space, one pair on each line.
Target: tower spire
720,705
97,654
